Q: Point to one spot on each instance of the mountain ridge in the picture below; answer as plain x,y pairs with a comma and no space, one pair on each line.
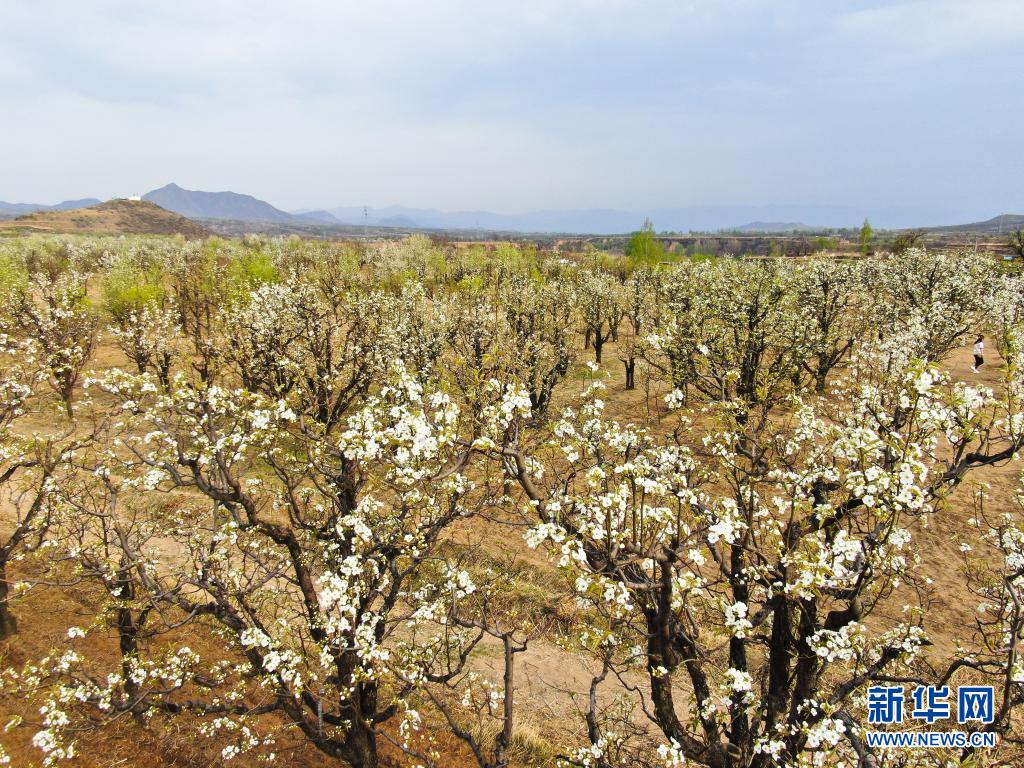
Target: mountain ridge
774,227
20,209
1004,223
775,218
197,204
707,218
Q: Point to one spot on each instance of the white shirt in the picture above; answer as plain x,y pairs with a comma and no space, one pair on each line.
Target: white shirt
979,348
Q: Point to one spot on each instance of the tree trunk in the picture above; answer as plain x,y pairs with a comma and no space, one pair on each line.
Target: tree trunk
504,739
128,640
362,751
359,743
8,624
163,373
360,746
819,382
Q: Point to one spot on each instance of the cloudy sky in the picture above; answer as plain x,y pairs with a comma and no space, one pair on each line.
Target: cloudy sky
514,106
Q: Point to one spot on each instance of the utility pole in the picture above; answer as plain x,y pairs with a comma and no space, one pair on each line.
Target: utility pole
366,224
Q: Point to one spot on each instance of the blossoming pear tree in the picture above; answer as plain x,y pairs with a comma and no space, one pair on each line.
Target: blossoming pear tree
943,297
600,301
738,576
31,462
313,559
325,348
830,298
54,312
541,318
734,332
642,314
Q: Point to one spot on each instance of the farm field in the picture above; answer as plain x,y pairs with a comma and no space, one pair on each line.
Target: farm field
414,503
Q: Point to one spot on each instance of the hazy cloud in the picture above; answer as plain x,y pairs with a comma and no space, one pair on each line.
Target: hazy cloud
515,106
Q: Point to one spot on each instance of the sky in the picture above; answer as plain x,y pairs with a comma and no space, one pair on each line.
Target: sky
519,106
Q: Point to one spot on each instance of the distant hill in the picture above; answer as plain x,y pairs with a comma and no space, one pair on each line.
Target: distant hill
772,226
235,210
589,220
218,205
1004,223
322,217
20,209
115,217
707,218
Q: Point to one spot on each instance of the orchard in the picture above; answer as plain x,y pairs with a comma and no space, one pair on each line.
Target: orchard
331,503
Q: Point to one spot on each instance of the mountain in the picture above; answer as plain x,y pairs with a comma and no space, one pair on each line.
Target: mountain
218,205
591,220
19,209
775,227
240,209
607,221
67,205
114,217
323,217
1002,224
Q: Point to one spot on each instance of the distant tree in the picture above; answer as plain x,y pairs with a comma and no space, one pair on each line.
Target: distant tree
866,233
801,246
642,311
644,246
600,299
55,314
833,322
906,240
1017,241
730,333
542,319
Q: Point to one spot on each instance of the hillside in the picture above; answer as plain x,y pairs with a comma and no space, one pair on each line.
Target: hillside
1002,224
218,205
121,217
20,209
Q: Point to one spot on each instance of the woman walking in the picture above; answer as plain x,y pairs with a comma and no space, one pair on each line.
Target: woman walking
979,352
